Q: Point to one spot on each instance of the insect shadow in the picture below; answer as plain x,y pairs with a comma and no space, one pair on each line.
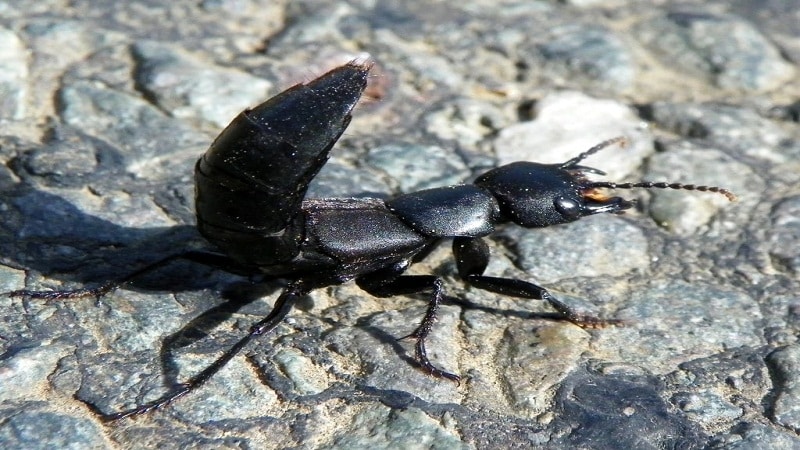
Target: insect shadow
44,233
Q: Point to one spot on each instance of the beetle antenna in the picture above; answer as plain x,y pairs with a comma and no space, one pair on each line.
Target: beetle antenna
572,163
661,185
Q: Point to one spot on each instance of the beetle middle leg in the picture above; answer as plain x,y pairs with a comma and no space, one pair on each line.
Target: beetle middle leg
472,257
389,282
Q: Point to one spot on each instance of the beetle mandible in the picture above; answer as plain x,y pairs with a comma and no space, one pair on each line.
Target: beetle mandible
250,203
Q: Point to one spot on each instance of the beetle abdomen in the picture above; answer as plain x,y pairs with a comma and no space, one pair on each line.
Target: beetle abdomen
255,175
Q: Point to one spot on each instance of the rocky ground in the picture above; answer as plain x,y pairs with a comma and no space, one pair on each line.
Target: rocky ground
107,105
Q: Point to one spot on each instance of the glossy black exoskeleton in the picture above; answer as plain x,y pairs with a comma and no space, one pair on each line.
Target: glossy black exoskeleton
250,203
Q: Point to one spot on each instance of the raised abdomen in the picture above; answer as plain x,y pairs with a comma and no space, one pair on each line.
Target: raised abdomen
251,182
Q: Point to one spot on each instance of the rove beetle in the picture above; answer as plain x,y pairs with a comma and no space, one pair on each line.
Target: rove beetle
250,203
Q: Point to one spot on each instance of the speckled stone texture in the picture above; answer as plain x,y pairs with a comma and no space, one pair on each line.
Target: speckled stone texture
105,106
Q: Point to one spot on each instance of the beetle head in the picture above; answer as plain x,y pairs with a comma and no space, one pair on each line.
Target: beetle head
536,195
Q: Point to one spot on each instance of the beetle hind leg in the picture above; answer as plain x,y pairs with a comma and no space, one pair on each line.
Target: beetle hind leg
282,306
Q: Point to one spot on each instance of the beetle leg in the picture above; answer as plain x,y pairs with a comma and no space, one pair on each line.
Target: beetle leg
388,283
199,327
472,257
207,258
283,305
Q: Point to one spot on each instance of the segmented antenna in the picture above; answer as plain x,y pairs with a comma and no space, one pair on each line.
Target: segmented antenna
661,185
572,163
623,141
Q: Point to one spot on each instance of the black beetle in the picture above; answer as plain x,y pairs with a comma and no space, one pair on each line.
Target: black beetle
250,203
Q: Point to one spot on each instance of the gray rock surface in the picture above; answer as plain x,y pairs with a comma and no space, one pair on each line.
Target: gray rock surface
105,107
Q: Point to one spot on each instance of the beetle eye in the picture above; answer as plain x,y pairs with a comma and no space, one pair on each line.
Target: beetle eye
567,207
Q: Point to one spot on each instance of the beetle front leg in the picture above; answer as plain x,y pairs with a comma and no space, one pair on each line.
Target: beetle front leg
388,283
472,257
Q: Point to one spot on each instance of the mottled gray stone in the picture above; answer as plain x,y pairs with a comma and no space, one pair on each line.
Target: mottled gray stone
555,135
235,395
417,167
303,373
734,129
120,119
75,214
339,180
60,161
683,214
724,48
778,20
13,76
756,435
784,235
28,428
536,362
619,411
592,3
598,246
465,121
707,408
187,87
410,428
384,362
10,279
785,362
671,320
588,52
714,390
782,319
97,179
25,370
